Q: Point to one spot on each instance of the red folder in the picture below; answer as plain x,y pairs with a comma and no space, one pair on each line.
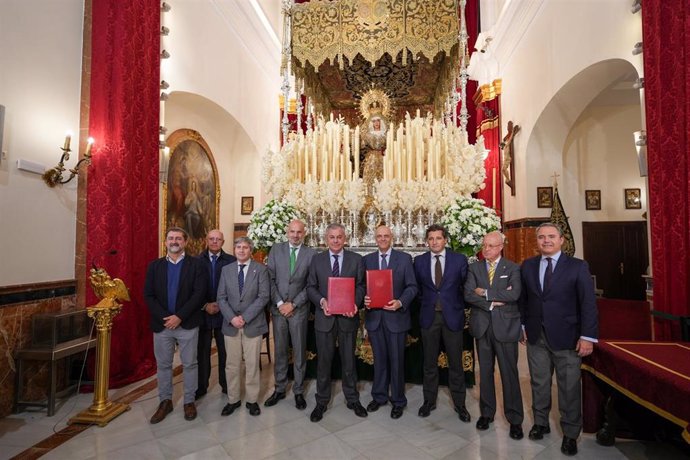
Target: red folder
341,295
379,287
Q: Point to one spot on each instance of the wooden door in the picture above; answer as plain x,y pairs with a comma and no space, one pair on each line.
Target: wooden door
617,256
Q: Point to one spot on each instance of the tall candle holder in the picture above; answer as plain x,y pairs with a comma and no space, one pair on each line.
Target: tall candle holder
409,241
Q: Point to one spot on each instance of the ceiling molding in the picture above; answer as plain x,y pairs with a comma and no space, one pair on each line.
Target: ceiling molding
513,22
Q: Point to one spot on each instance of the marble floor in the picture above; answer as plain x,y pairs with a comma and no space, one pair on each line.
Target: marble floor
283,432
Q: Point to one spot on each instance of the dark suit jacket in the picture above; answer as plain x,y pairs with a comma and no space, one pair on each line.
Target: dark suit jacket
191,294
317,288
451,291
214,321
506,288
567,309
404,289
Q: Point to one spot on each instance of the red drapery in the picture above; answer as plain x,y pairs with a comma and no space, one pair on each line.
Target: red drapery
666,38
122,191
488,123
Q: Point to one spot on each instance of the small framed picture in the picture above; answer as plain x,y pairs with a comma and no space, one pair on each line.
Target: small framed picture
247,205
633,198
545,197
593,200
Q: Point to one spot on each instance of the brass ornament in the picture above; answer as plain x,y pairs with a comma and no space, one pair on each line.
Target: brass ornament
375,102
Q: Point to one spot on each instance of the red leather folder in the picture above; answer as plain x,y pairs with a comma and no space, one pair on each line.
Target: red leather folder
341,295
379,287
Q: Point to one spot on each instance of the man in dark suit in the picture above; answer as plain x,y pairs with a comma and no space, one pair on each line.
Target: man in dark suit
175,291
441,277
288,265
559,314
493,289
387,327
333,263
214,259
243,293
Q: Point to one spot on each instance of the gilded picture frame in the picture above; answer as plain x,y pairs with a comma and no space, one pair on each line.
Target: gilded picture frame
247,205
593,200
545,197
633,198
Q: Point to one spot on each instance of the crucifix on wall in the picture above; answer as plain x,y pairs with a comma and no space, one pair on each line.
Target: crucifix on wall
508,163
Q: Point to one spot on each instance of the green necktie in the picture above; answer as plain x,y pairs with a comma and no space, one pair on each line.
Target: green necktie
293,259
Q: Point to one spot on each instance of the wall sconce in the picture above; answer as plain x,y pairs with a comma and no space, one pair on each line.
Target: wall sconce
639,83
162,130
165,7
165,31
165,84
637,49
165,158
640,138
636,6
641,149
166,55
164,96
53,176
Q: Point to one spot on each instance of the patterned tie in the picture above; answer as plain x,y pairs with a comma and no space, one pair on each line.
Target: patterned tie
293,259
240,277
492,271
336,266
384,264
214,259
548,273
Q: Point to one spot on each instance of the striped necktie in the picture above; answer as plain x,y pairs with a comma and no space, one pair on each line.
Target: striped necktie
492,271
336,266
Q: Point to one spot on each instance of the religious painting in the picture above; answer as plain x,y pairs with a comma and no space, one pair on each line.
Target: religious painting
544,197
633,198
247,205
192,194
593,200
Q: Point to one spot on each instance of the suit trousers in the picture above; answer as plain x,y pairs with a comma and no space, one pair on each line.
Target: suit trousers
206,335
490,350
389,365
164,349
431,344
241,347
542,361
286,330
325,347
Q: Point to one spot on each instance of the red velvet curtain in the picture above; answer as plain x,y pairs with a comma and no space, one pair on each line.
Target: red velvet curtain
666,38
487,116
122,190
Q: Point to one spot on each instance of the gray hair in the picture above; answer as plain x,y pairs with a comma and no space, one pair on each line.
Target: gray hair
334,225
552,225
244,239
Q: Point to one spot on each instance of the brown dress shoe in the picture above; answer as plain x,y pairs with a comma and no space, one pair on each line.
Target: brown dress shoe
164,408
189,411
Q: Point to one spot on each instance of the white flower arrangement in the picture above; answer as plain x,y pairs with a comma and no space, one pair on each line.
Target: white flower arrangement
354,195
331,196
386,194
410,198
268,224
467,221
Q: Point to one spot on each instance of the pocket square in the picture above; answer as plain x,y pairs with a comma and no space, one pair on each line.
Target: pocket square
503,276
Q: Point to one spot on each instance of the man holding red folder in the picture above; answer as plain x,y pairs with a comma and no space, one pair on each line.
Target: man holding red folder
334,264
388,320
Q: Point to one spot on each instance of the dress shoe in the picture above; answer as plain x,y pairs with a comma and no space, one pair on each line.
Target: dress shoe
484,422
569,446
300,403
199,394
397,412
357,408
463,414
164,408
189,411
230,408
426,409
273,400
516,431
253,408
373,406
317,413
538,431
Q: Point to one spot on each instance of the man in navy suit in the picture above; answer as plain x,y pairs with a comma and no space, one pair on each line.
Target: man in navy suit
214,259
387,327
559,314
441,277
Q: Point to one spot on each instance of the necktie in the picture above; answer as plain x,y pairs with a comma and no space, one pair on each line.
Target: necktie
384,264
293,259
548,273
214,259
492,271
240,278
438,272
336,266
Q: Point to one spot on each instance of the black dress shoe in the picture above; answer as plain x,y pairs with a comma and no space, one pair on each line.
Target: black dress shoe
300,403
317,413
357,408
397,412
374,406
426,409
538,431
569,446
230,408
274,398
199,394
516,431
253,408
484,422
463,414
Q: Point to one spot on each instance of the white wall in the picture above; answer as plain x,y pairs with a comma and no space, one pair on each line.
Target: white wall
40,74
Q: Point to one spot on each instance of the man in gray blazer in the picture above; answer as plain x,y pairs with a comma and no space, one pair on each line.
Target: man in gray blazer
492,289
243,293
333,263
288,265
